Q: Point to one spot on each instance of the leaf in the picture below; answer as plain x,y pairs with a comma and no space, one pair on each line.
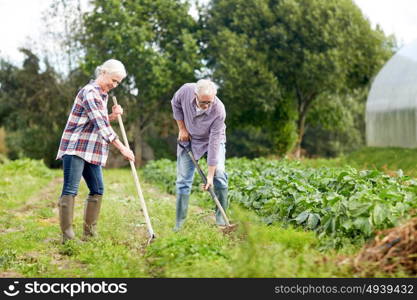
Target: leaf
341,176
379,214
363,225
388,194
302,217
313,221
347,225
357,209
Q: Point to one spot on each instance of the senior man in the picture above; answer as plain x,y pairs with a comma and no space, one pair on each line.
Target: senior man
200,116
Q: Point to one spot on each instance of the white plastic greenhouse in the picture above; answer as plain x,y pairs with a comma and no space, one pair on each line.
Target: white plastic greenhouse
391,108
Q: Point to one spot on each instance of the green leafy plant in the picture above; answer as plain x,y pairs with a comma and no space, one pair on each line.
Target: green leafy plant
340,204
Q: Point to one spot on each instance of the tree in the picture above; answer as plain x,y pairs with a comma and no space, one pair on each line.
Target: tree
34,107
336,124
156,40
62,22
248,87
302,49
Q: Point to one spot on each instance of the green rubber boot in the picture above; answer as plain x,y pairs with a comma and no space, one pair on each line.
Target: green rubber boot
66,214
91,212
181,210
222,196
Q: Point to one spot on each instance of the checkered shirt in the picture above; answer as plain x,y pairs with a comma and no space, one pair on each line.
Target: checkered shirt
88,131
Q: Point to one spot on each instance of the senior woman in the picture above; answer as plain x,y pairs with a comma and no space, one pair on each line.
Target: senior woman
84,147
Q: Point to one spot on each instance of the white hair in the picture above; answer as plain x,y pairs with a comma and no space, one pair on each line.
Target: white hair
205,87
111,66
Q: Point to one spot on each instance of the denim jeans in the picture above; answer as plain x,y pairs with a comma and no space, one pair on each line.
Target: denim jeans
186,169
74,168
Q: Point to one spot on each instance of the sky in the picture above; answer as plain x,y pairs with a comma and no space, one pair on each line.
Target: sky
21,22
19,19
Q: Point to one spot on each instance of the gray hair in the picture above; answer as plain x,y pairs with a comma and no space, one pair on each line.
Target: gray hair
111,66
205,87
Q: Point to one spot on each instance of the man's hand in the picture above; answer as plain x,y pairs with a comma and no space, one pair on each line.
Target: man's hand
208,185
183,135
210,176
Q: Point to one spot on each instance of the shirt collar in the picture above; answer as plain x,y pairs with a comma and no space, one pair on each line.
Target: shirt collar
97,87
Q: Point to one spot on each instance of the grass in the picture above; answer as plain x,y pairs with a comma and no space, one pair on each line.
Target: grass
384,159
30,237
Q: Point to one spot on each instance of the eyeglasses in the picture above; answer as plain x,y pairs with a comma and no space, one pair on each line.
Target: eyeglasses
203,102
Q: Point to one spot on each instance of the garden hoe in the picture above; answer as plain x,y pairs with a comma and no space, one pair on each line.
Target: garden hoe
135,176
229,227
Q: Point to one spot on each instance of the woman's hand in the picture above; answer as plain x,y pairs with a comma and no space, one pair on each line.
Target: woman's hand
127,153
117,110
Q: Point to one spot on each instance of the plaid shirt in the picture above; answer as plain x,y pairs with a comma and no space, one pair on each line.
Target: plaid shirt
88,131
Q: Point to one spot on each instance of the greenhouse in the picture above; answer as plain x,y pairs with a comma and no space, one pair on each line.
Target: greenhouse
391,108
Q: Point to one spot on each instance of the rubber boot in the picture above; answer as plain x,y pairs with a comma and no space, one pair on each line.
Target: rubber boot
91,211
66,214
222,196
181,210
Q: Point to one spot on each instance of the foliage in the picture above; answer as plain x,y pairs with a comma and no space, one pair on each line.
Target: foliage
249,141
62,23
31,167
162,171
268,54
20,179
338,122
33,108
270,58
248,86
340,204
156,41
120,250
336,203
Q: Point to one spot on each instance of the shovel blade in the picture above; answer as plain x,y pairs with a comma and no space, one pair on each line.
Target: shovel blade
228,229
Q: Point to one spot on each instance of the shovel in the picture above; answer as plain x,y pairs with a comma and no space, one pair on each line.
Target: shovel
229,227
135,176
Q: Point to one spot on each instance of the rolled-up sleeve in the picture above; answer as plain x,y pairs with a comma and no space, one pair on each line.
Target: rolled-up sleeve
177,106
92,105
216,133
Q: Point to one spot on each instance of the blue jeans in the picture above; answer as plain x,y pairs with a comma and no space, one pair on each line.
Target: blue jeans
74,168
186,169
